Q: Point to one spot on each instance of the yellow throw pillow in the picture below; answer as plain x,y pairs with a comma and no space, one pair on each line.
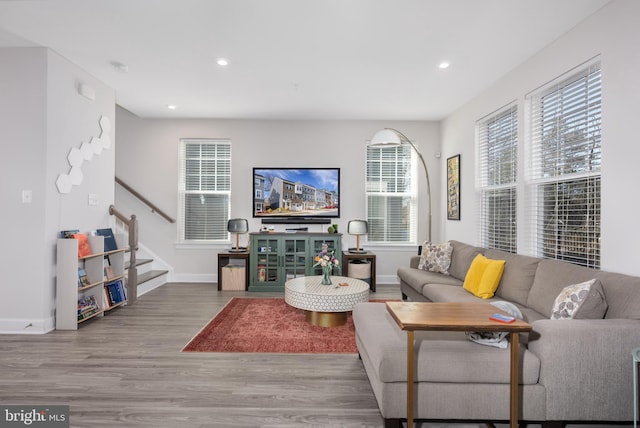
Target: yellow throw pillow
483,276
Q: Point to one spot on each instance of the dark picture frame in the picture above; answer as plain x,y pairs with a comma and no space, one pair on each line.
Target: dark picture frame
453,188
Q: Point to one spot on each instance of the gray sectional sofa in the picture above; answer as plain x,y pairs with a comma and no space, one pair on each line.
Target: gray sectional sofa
571,370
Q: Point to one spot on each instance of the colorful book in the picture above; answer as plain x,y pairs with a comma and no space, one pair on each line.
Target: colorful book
87,306
84,249
83,279
68,234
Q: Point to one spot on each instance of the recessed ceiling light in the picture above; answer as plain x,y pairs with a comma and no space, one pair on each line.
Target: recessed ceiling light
171,106
443,65
222,62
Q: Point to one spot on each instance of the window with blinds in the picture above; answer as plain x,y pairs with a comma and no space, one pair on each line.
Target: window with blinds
497,146
205,190
391,194
564,121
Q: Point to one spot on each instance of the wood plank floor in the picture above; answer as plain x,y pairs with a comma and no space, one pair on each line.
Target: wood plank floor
126,370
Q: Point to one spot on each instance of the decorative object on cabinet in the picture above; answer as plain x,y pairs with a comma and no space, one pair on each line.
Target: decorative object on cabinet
238,226
357,228
392,137
453,188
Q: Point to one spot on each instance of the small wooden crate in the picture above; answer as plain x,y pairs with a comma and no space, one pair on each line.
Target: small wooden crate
233,277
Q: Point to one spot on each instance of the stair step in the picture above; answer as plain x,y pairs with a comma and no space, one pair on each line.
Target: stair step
148,276
139,262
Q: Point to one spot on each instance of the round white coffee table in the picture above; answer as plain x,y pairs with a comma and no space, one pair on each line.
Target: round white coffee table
326,305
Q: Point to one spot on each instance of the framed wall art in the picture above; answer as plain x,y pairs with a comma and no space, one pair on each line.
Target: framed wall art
453,188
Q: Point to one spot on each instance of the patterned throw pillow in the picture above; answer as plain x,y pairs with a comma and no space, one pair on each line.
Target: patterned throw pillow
580,301
436,257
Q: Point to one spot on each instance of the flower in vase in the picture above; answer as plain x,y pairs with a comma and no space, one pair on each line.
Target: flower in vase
325,258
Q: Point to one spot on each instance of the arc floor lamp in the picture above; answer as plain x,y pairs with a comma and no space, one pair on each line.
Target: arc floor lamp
390,137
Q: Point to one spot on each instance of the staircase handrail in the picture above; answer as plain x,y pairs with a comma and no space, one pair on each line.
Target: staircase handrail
132,273
154,208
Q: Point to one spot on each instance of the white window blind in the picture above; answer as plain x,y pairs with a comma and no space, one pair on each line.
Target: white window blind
205,190
391,194
564,176
497,144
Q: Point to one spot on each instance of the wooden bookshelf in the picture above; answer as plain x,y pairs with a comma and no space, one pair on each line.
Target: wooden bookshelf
68,289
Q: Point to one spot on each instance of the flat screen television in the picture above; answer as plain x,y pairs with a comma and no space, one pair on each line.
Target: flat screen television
296,195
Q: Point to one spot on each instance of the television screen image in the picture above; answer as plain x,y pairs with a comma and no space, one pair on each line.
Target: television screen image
296,193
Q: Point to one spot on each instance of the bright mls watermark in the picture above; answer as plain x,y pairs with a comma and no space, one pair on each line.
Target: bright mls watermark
34,416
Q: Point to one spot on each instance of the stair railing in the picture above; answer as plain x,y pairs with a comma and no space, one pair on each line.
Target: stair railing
154,208
132,273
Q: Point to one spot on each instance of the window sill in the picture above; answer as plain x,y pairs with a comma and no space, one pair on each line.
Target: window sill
202,245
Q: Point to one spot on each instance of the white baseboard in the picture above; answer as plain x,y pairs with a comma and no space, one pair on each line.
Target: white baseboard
387,279
193,277
27,326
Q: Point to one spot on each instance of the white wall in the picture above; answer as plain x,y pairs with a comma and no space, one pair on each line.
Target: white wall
42,118
613,34
147,159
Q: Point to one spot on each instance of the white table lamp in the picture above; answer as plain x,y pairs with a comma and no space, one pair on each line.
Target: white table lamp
357,228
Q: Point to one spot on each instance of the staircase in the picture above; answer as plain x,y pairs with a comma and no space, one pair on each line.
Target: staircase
148,271
148,277
151,272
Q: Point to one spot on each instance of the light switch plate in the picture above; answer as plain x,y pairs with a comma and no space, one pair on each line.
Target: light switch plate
27,196
93,199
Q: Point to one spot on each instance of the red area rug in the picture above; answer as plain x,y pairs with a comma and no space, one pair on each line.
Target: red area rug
270,325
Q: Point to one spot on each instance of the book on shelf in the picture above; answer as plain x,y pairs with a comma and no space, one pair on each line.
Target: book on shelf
68,234
83,279
108,272
115,292
105,297
87,306
109,239
84,249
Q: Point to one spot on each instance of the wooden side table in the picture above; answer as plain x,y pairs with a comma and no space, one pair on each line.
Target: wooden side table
455,316
225,259
367,256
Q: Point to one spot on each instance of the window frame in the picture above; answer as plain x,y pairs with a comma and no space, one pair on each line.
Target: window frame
221,165
575,234
497,149
393,157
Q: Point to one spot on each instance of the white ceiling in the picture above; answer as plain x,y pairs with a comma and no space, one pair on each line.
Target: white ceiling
293,59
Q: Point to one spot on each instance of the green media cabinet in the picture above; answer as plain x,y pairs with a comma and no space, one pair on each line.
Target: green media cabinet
278,257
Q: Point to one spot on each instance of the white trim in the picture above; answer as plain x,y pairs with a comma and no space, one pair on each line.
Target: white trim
194,277
26,326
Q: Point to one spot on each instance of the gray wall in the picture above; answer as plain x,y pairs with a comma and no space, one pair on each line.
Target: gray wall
42,118
147,159
613,33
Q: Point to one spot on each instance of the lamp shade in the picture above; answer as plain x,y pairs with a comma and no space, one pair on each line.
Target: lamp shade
238,225
387,137
357,227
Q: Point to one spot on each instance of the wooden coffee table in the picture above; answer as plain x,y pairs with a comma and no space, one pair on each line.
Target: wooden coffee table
412,316
326,305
